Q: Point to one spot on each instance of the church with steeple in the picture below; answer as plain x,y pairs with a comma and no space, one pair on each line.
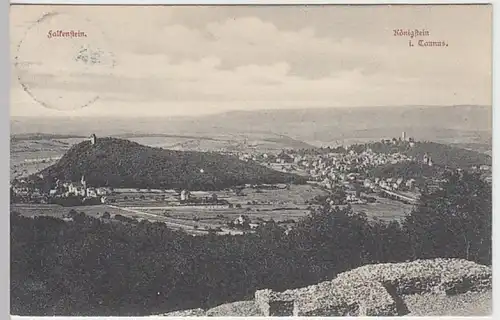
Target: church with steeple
84,183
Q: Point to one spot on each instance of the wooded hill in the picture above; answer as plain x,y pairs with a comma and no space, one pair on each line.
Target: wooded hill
442,154
122,163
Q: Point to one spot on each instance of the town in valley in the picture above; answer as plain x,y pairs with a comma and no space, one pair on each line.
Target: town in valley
341,176
248,160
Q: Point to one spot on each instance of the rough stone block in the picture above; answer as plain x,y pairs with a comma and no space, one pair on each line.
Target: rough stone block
262,300
377,290
273,303
280,308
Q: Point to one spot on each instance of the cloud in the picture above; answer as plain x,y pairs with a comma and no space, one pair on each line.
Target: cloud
250,40
152,78
255,59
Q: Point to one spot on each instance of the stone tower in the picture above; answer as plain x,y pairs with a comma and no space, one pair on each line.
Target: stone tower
93,139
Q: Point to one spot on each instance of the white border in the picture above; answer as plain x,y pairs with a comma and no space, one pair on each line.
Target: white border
245,2
4,97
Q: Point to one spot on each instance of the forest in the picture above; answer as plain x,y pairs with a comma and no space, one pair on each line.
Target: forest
406,170
122,163
106,267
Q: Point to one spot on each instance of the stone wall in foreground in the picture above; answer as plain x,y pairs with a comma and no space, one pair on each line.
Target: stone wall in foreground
375,290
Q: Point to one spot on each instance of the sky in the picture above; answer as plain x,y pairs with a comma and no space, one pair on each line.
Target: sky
193,60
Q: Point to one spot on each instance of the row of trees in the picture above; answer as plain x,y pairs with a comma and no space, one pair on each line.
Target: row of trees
107,267
405,170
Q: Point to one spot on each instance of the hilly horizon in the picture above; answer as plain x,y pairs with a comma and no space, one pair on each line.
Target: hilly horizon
122,163
320,126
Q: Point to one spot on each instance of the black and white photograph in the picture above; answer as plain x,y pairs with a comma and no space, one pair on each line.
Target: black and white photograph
251,160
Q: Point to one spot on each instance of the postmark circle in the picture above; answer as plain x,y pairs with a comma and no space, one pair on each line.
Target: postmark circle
59,59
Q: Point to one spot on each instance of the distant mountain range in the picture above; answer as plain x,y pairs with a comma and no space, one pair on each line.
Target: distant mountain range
308,125
126,164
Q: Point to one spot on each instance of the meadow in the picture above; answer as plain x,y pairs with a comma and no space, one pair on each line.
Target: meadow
57,211
283,206
384,209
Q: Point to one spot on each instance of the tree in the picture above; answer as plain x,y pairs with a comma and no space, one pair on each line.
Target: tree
125,265
72,213
12,195
453,221
79,217
338,195
334,235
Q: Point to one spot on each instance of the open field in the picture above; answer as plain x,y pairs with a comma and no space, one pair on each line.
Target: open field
280,205
24,169
30,156
57,211
220,217
295,195
384,209
284,206
259,205
188,226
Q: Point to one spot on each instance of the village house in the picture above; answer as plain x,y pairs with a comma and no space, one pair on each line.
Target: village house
410,184
91,192
242,220
485,168
185,195
103,191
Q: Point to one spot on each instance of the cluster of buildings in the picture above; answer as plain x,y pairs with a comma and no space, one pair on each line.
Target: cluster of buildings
81,189
394,184
348,170
243,222
334,169
22,191
338,166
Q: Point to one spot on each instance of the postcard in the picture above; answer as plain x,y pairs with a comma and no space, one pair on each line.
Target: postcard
286,160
